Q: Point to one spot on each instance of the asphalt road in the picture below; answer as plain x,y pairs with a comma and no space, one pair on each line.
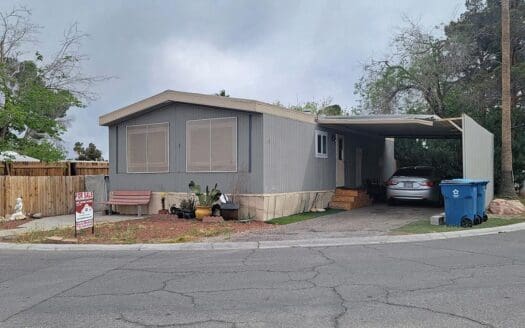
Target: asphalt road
465,282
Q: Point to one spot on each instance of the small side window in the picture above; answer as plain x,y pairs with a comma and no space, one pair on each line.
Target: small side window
321,144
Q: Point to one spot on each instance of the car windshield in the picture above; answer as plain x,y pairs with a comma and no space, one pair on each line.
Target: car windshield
414,172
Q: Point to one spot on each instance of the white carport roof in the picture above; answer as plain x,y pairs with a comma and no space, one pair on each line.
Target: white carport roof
477,143
397,126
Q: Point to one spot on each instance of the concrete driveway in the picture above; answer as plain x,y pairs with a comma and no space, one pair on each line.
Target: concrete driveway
375,220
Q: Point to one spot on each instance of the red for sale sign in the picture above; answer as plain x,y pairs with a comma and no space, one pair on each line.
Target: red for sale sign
84,214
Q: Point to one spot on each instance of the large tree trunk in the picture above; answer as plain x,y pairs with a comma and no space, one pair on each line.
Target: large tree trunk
507,180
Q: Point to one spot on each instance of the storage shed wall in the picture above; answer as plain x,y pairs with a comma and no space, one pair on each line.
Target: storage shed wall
478,154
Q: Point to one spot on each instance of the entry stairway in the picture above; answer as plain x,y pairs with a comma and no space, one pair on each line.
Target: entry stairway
348,199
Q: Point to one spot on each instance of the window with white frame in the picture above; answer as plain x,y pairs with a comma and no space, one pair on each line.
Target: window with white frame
211,145
147,148
321,144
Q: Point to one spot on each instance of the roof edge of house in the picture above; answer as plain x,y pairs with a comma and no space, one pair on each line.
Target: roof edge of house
168,96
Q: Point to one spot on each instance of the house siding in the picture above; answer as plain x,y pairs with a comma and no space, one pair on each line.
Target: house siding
275,154
249,151
290,164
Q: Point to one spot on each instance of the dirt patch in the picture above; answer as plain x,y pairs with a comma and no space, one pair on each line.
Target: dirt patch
13,224
155,229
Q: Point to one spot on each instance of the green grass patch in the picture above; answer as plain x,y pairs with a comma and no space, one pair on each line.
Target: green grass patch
302,216
424,226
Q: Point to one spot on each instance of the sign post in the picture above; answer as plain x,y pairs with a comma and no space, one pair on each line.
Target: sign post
84,213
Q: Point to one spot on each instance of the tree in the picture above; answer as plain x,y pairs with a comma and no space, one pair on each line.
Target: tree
89,153
322,107
417,77
222,93
459,72
332,110
507,182
36,94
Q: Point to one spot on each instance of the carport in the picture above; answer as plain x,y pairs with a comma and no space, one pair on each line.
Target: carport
477,142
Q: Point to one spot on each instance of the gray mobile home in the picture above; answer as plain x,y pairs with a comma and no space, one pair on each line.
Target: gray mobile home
278,161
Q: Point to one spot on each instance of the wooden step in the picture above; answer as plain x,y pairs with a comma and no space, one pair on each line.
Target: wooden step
343,198
348,192
348,206
341,205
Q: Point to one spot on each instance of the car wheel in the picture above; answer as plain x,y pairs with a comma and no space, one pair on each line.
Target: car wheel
392,202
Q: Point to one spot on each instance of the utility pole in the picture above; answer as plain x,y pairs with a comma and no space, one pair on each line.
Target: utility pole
507,178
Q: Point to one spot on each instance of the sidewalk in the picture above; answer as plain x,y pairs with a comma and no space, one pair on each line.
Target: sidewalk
63,221
325,242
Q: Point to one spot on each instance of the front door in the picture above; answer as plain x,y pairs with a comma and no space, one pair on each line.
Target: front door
340,161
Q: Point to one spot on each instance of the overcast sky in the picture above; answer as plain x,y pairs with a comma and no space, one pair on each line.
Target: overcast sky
291,51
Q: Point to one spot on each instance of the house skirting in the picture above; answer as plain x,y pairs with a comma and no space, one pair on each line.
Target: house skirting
260,207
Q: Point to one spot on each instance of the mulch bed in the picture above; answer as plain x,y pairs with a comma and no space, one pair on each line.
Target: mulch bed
13,224
154,229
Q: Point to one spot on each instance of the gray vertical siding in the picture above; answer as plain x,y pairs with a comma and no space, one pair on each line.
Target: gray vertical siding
275,154
248,173
290,163
289,157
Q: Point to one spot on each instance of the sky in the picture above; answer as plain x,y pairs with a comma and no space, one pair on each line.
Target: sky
283,50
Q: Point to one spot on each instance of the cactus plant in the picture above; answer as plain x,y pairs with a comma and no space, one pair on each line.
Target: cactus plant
209,197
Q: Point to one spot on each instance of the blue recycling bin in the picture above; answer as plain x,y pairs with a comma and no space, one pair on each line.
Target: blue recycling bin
480,202
460,197
481,189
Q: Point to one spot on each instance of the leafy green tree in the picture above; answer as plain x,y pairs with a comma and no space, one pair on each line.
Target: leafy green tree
36,93
89,153
323,107
332,110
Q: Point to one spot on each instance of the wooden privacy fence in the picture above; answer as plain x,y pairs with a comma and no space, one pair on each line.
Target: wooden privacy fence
51,195
89,168
53,169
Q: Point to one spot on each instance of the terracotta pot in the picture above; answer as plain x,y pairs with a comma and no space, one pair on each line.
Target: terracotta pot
202,211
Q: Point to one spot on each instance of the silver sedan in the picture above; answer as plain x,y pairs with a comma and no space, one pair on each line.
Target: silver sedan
413,183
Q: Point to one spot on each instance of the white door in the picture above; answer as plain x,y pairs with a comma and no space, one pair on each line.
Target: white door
340,161
358,167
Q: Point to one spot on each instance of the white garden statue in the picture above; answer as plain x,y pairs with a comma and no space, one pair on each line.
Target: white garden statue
19,208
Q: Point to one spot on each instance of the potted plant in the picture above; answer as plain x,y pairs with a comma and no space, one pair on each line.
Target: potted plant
187,208
206,199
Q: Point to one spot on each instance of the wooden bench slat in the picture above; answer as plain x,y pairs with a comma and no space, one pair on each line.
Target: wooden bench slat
129,197
131,193
124,202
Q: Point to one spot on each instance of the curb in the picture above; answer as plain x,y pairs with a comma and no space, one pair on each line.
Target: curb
321,242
